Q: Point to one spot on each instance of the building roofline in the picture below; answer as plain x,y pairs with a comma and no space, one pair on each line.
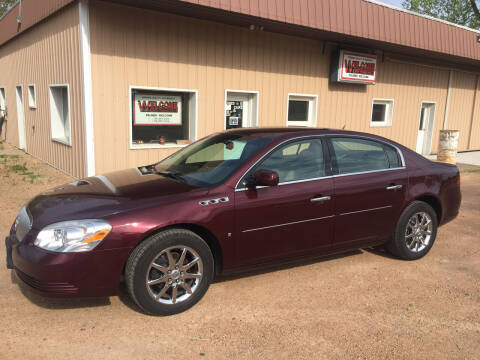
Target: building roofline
10,9
376,2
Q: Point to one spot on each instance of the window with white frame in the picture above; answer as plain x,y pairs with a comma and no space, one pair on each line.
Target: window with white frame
162,117
2,99
32,96
60,113
382,112
301,110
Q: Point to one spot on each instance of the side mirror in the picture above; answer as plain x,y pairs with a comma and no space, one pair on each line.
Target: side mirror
264,178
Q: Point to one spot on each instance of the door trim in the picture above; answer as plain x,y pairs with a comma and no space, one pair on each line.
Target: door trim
366,210
286,224
22,138
432,126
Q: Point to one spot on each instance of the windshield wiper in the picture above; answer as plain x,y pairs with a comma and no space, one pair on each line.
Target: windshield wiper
171,175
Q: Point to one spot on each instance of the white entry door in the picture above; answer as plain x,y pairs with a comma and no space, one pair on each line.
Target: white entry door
21,119
425,128
240,109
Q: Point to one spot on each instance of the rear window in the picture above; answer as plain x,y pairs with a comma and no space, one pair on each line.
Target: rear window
359,155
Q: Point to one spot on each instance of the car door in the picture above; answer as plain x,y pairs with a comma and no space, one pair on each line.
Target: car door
370,184
293,217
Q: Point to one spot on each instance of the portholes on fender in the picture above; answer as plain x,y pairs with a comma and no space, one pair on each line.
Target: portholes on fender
214,201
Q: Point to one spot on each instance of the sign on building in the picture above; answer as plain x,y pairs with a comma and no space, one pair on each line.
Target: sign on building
152,109
353,67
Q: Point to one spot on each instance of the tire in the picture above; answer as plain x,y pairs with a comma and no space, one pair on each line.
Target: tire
157,279
407,242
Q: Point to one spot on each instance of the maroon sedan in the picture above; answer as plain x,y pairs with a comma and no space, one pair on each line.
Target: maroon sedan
228,202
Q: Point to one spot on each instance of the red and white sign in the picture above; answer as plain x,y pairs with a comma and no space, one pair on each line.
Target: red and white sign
357,68
153,109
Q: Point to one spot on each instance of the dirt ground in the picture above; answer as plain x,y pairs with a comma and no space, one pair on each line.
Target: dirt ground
360,305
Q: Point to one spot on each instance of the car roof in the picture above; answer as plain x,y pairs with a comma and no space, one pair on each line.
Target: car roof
288,132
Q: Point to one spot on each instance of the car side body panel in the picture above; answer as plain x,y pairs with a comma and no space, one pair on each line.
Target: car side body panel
138,206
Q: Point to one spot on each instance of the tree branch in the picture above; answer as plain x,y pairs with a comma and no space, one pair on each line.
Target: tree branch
475,9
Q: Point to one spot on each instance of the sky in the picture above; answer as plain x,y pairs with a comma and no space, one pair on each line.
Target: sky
392,2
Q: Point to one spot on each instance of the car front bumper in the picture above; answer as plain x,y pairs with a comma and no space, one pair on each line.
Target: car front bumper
84,274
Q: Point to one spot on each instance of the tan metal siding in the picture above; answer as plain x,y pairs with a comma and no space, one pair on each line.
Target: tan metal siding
343,16
461,106
48,55
143,48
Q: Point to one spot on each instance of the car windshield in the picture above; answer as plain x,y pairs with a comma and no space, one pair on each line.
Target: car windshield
212,160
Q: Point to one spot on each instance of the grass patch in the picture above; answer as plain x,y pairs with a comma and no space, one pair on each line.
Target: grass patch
31,176
21,169
12,157
18,168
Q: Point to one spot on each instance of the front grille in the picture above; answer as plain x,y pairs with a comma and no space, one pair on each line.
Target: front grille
48,287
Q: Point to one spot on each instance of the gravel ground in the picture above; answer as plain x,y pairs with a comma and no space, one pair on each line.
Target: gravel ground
360,305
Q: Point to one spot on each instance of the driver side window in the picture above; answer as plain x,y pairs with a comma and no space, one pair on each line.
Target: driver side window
300,160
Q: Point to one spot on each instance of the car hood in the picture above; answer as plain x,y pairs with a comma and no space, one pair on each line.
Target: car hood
103,195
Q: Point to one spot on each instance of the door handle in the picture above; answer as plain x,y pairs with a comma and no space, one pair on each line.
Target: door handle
321,198
394,187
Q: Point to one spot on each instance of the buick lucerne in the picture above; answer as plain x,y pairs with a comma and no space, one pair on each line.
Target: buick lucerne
229,202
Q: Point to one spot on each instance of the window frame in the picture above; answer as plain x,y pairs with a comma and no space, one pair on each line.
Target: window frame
50,99
240,186
313,111
382,143
4,96
34,104
388,121
193,118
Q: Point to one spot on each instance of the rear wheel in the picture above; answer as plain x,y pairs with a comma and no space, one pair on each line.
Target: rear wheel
169,272
415,232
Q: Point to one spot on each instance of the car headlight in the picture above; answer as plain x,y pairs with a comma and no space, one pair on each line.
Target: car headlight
73,236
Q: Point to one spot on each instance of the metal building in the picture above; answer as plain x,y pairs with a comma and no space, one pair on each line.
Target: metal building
94,86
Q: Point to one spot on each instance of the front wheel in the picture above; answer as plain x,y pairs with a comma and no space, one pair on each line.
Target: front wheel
415,232
169,272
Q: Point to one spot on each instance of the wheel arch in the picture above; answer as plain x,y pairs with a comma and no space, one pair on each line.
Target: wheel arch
434,202
201,231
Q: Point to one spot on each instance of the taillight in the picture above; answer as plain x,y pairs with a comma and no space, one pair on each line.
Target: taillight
458,179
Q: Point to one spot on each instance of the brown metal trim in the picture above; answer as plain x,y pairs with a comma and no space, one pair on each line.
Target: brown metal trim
30,13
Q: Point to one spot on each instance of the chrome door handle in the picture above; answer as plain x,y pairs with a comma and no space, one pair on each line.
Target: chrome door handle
322,198
394,187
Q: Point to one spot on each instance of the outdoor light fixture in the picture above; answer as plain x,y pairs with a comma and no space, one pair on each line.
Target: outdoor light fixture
256,27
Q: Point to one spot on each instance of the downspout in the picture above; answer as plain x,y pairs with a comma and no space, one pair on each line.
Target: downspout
447,102
88,133
473,113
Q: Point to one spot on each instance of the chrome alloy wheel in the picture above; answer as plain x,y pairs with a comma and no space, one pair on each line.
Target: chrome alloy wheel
174,274
418,232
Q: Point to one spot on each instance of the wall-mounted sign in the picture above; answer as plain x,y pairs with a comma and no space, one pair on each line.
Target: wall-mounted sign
151,109
353,67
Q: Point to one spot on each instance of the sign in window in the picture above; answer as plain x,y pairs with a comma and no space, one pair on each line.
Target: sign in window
161,117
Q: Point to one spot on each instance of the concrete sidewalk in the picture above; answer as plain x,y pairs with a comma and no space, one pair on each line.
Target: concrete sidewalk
469,158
